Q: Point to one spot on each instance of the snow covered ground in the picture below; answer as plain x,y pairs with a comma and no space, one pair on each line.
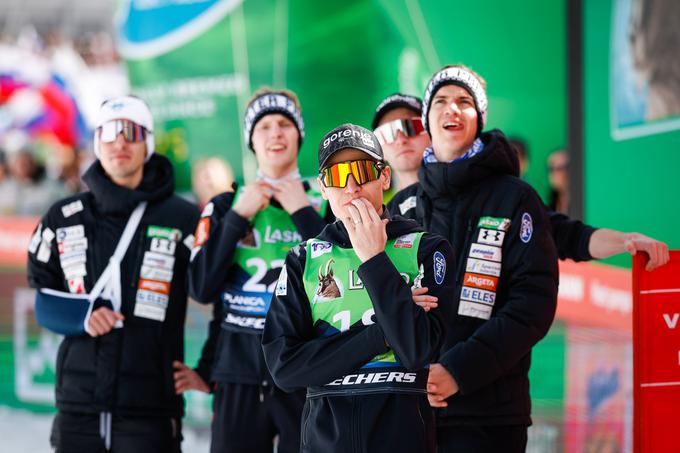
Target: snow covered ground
27,431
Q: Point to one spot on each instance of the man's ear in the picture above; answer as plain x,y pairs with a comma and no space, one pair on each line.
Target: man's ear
386,176
323,188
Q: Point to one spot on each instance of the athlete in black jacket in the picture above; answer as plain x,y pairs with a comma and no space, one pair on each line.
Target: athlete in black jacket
398,126
241,242
343,323
115,385
506,275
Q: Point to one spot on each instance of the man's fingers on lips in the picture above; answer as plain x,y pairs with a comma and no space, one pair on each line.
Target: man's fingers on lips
363,210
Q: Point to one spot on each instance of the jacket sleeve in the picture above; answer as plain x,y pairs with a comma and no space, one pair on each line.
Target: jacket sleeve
295,356
44,269
524,317
414,334
572,237
218,231
207,359
56,309
308,222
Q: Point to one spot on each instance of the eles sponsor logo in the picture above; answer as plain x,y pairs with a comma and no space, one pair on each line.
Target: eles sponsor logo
151,298
483,267
375,378
485,252
480,281
478,295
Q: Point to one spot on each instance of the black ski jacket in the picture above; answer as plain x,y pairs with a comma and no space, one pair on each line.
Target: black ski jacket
349,408
506,278
127,371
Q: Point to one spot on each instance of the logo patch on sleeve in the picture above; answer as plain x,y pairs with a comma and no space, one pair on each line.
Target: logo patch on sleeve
45,250
189,241
208,210
439,267
202,231
282,283
527,228
35,240
407,204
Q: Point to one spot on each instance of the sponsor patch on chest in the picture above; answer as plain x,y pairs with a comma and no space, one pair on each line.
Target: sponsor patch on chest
491,237
483,267
486,252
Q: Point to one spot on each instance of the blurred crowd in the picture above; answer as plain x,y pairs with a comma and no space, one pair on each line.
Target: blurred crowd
50,87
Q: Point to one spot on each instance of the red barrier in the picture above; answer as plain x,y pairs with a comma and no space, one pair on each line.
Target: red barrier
656,356
596,295
15,234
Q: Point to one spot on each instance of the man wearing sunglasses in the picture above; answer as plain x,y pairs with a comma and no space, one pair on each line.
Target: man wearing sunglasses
400,131
241,242
113,390
343,323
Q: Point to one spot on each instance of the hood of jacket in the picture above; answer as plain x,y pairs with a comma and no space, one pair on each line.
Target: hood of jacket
397,226
443,180
158,183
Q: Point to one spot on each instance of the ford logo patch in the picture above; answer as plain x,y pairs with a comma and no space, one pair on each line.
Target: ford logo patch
527,228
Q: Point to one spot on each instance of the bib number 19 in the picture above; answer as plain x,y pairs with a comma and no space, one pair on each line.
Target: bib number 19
345,318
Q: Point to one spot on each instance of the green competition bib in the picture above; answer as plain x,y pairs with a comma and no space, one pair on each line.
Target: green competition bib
339,302
258,260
